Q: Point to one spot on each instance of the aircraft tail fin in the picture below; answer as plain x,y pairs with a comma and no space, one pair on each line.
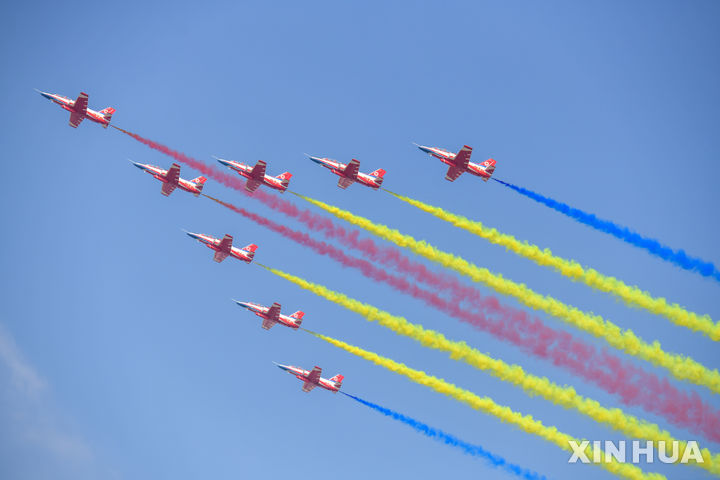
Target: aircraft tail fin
285,178
378,174
199,183
297,316
337,379
107,113
250,249
489,166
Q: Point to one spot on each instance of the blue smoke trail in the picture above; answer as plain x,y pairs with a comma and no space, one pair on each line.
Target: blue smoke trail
447,439
678,257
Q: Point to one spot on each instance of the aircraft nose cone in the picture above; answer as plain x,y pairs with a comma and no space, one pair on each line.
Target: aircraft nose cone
423,148
138,165
191,234
315,159
280,366
242,304
222,162
46,95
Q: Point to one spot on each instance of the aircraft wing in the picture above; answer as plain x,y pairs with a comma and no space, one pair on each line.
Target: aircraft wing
314,375
273,312
81,104
344,182
268,323
173,175
351,169
220,256
226,243
251,185
76,119
258,171
463,157
167,188
453,173
308,386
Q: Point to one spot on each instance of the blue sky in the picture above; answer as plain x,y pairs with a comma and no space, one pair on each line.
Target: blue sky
122,354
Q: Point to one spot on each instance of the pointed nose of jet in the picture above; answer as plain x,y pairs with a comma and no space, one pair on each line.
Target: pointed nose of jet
282,367
192,235
44,94
138,165
315,159
242,304
222,161
423,148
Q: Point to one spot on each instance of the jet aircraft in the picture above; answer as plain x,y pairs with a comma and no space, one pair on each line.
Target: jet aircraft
256,175
171,179
223,247
312,379
460,162
271,315
79,110
350,173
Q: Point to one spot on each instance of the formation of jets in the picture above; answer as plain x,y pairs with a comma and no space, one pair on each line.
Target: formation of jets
256,176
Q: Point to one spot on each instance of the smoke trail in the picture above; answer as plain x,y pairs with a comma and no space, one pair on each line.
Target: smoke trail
682,367
474,450
654,247
632,295
634,385
533,385
485,404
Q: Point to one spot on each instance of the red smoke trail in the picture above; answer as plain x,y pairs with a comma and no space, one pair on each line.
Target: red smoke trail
632,384
604,369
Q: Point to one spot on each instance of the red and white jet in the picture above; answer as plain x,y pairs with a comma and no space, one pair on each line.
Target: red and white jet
271,315
171,179
460,162
256,175
312,378
79,110
350,173
223,248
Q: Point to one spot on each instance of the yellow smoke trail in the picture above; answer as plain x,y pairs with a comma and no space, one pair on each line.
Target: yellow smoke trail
533,385
631,295
681,367
485,404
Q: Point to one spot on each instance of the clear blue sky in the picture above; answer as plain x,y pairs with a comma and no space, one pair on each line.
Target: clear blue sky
122,354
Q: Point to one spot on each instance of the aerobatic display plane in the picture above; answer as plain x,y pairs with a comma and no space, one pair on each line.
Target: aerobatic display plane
223,247
350,173
79,110
271,315
312,379
460,162
171,179
256,175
